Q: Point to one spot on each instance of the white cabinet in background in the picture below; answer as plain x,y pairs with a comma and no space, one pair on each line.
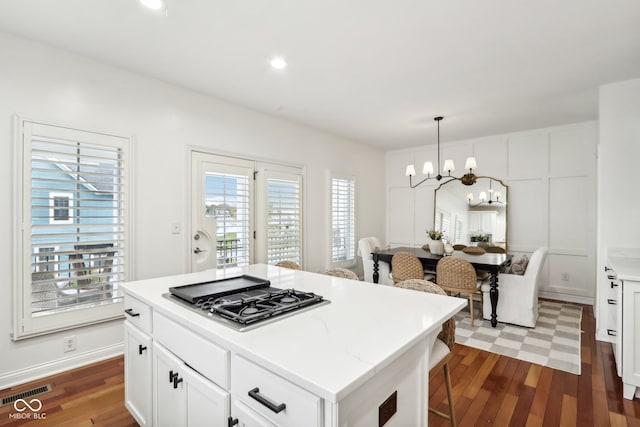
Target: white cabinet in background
482,222
183,397
630,338
138,362
246,417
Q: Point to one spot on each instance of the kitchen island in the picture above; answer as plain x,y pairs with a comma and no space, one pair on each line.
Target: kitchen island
361,360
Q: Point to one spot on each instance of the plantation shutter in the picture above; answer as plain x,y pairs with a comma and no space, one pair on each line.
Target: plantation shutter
75,219
342,219
284,217
227,199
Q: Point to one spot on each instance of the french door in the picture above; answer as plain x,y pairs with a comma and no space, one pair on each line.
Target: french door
243,211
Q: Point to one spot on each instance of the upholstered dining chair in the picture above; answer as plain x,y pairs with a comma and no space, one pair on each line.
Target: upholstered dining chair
443,346
518,294
405,266
457,275
366,246
288,264
342,272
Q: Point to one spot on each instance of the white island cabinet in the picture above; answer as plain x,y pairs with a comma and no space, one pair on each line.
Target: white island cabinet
624,271
361,360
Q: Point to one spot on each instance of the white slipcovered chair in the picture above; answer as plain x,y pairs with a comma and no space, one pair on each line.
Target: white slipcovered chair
518,294
366,245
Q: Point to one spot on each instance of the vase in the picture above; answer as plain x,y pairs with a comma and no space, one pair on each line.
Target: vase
436,247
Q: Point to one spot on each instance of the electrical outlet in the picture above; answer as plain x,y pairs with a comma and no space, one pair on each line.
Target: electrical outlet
69,343
564,277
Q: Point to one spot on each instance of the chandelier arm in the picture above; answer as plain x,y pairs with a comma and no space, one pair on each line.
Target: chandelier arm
415,185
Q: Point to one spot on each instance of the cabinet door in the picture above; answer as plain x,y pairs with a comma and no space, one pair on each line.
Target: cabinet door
207,404
138,365
247,417
170,400
630,338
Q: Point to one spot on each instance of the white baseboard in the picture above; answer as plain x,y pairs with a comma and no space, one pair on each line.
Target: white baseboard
565,297
56,366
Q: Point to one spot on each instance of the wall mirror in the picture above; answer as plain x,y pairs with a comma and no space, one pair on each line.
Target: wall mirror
473,215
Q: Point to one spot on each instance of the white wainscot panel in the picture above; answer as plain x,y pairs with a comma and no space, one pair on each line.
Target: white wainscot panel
570,275
572,150
527,214
568,214
400,214
491,155
396,165
424,197
527,155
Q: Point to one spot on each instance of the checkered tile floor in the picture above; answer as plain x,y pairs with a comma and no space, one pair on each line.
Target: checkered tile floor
554,342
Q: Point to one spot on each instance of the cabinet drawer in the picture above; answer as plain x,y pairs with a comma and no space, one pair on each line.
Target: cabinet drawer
207,358
138,313
266,393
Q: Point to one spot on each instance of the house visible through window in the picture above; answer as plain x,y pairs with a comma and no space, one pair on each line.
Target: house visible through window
343,214
75,214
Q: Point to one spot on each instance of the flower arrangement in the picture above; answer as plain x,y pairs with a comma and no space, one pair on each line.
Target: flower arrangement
434,234
482,238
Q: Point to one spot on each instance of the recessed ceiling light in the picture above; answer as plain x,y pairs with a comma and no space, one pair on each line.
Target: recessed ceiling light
154,4
278,63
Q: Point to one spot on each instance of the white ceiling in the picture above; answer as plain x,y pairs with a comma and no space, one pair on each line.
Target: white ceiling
376,71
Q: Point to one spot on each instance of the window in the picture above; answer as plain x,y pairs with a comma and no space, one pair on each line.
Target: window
343,214
74,209
61,205
284,216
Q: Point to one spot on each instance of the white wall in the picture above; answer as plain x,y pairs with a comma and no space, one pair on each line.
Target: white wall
618,201
43,83
551,175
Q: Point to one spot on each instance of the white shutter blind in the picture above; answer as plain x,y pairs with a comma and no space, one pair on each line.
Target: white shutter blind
227,198
77,224
284,220
342,219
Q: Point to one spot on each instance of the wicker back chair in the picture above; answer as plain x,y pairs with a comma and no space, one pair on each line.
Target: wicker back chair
342,272
288,264
441,351
405,266
457,275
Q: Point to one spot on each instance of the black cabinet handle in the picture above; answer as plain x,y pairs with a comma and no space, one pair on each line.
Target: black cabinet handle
611,332
255,394
613,284
232,421
612,302
176,381
141,348
607,268
172,376
130,312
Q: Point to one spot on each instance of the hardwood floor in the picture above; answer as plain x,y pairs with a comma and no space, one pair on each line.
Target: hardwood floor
488,390
92,395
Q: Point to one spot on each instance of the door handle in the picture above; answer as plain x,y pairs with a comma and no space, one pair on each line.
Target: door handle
198,250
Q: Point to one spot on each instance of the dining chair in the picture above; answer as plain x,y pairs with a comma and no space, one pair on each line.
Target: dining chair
288,264
443,346
495,250
457,275
342,272
518,300
366,246
405,266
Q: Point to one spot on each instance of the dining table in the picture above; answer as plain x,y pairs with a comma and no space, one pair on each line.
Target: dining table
491,262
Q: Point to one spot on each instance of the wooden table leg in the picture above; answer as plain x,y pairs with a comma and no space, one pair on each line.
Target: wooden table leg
493,295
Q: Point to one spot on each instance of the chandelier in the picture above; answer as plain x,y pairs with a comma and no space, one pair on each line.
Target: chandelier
494,197
448,167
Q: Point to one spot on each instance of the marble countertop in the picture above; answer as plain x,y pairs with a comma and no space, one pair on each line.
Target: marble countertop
331,349
625,262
